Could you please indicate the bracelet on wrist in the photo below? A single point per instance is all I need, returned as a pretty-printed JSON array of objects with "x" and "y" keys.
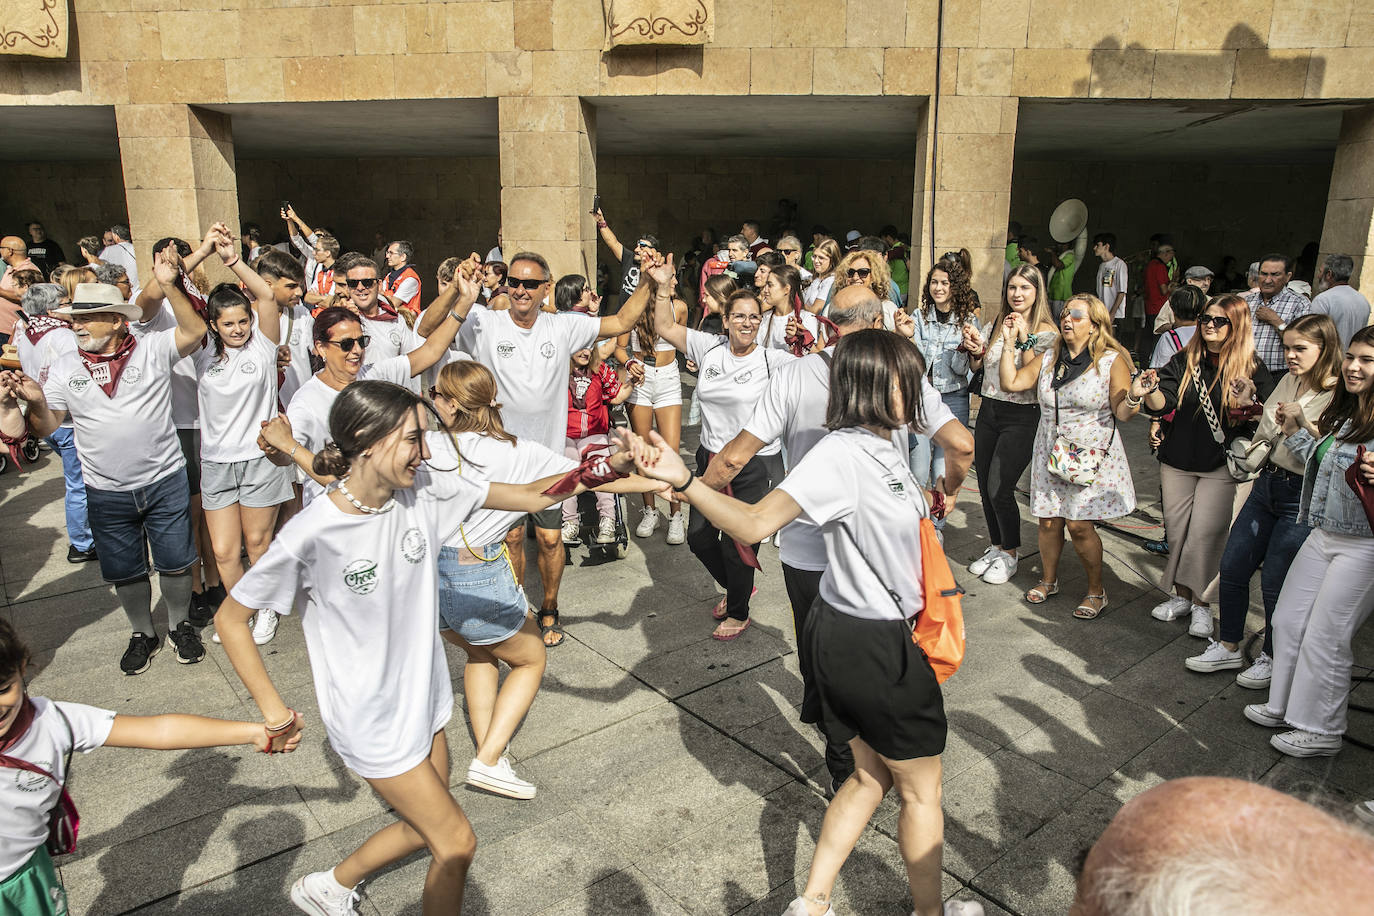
[
  {"x": 275, "y": 729},
  {"x": 690, "y": 477},
  {"x": 232, "y": 263}
]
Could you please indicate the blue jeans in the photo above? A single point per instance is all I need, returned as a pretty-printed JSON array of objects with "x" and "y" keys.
[
  {"x": 481, "y": 602},
  {"x": 78, "y": 526},
  {"x": 1265, "y": 536},
  {"x": 127, "y": 523},
  {"x": 928, "y": 459}
]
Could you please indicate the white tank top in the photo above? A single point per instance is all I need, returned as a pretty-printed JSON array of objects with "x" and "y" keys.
[{"x": 660, "y": 345}]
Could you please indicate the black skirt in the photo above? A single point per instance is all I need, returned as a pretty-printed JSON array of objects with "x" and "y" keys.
[{"x": 868, "y": 679}]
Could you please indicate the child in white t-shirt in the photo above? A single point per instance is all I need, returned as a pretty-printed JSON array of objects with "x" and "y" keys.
[{"x": 37, "y": 737}]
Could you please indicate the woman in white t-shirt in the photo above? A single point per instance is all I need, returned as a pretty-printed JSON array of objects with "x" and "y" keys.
[
  {"x": 733, "y": 373},
  {"x": 877, "y": 690},
  {"x": 781, "y": 299},
  {"x": 359, "y": 565},
  {"x": 824, "y": 259},
  {"x": 37, "y": 738},
  {"x": 240, "y": 489}
]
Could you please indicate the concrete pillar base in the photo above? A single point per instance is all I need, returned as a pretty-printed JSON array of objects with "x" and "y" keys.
[{"x": 1349, "y": 224}]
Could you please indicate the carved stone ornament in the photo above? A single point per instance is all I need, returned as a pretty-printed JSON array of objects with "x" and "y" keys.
[
  {"x": 33, "y": 28},
  {"x": 658, "y": 22}
]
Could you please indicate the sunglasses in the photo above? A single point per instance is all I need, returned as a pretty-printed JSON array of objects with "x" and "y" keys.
[
  {"x": 433, "y": 392},
  {"x": 530, "y": 284},
  {"x": 346, "y": 343},
  {"x": 1077, "y": 314},
  {"x": 361, "y": 284},
  {"x": 789, "y": 250},
  {"x": 860, "y": 272},
  {"x": 1216, "y": 321}
]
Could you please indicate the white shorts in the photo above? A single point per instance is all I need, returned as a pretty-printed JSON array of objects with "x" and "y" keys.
[
  {"x": 255, "y": 484},
  {"x": 662, "y": 386}
]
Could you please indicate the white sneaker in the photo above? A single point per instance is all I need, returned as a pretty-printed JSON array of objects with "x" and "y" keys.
[
  {"x": 605, "y": 531},
  {"x": 1299, "y": 743},
  {"x": 1261, "y": 714},
  {"x": 1000, "y": 570},
  {"x": 1172, "y": 609},
  {"x": 499, "y": 779},
  {"x": 571, "y": 532},
  {"x": 677, "y": 527},
  {"x": 980, "y": 565},
  {"x": 264, "y": 627},
  {"x": 320, "y": 895},
  {"x": 1257, "y": 676},
  {"x": 1201, "y": 624},
  {"x": 798, "y": 908},
  {"x": 1365, "y": 812},
  {"x": 1215, "y": 657},
  {"x": 648, "y": 523},
  {"x": 961, "y": 908}
]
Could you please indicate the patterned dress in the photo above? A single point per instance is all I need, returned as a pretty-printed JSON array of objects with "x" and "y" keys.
[{"x": 1085, "y": 417}]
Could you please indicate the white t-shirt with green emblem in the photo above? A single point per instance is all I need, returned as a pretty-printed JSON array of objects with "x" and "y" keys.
[
  {"x": 238, "y": 391},
  {"x": 367, "y": 591}
]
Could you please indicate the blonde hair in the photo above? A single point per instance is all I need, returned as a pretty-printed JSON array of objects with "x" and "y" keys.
[
  {"x": 1236, "y": 360},
  {"x": 1100, "y": 339},
  {"x": 880, "y": 277},
  {"x": 473, "y": 388},
  {"x": 75, "y": 275},
  {"x": 1040, "y": 315},
  {"x": 831, "y": 249}
]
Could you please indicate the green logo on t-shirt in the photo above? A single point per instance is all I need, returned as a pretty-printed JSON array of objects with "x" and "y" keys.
[{"x": 361, "y": 576}]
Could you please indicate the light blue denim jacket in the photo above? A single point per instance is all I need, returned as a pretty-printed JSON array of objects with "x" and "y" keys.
[
  {"x": 1327, "y": 500},
  {"x": 946, "y": 365}
]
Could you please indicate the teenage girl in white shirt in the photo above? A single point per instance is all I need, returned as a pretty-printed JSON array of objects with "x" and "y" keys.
[{"x": 359, "y": 565}]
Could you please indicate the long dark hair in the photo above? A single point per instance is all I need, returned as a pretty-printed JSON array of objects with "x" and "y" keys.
[
  {"x": 866, "y": 364},
  {"x": 1345, "y": 406},
  {"x": 224, "y": 296},
  {"x": 14, "y": 655},
  {"x": 963, "y": 302},
  {"x": 364, "y": 414}
]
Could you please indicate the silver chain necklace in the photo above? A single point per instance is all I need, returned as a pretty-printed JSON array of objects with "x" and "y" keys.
[{"x": 366, "y": 510}]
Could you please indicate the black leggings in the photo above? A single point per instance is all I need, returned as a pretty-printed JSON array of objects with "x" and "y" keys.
[
  {"x": 1002, "y": 444},
  {"x": 716, "y": 551}
]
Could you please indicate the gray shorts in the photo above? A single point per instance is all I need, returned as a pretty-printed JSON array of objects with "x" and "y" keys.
[{"x": 256, "y": 483}]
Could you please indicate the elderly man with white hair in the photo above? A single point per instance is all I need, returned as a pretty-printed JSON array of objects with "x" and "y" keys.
[{"x": 117, "y": 390}]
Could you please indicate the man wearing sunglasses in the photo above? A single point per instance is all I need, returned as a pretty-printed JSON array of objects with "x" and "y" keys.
[
  {"x": 528, "y": 350},
  {"x": 389, "y": 335},
  {"x": 631, "y": 259}
]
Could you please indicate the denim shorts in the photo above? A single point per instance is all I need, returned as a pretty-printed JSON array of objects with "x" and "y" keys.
[
  {"x": 127, "y": 523},
  {"x": 481, "y": 602}
]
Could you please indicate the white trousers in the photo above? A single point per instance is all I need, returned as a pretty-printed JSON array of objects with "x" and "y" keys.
[{"x": 1327, "y": 595}]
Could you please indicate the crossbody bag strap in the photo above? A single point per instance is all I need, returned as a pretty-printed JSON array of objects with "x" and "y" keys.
[
  {"x": 17, "y": 763},
  {"x": 891, "y": 593},
  {"x": 1208, "y": 410}
]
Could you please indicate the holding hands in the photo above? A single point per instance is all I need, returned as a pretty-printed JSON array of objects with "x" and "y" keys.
[
  {"x": 654, "y": 459},
  {"x": 973, "y": 341},
  {"x": 282, "y": 738},
  {"x": 1292, "y": 418},
  {"x": 18, "y": 385},
  {"x": 1244, "y": 390},
  {"x": 1144, "y": 383}
]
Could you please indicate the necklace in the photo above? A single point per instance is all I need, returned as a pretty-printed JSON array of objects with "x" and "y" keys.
[{"x": 366, "y": 510}]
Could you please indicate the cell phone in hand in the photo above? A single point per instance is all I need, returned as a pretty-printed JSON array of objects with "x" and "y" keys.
[
  {"x": 286, "y": 206},
  {"x": 596, "y": 203}
]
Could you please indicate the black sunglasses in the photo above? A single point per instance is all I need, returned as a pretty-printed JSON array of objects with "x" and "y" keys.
[
  {"x": 346, "y": 343},
  {"x": 1216, "y": 321},
  {"x": 860, "y": 272},
  {"x": 361, "y": 284},
  {"x": 514, "y": 282}
]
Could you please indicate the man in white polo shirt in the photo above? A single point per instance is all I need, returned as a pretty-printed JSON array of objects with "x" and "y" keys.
[{"x": 117, "y": 389}]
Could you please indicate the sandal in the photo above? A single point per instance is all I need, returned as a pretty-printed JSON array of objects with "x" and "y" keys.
[
  {"x": 1041, "y": 592},
  {"x": 1086, "y": 611},
  {"x": 554, "y": 627},
  {"x": 726, "y": 637},
  {"x": 718, "y": 612}
]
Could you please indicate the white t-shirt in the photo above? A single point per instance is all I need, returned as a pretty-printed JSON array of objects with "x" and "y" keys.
[
  {"x": 773, "y": 332},
  {"x": 531, "y": 366},
  {"x": 863, "y": 483},
  {"x": 389, "y": 338},
  {"x": 367, "y": 590},
  {"x": 297, "y": 331},
  {"x": 309, "y": 410},
  {"x": 793, "y": 408},
  {"x": 494, "y": 460},
  {"x": 818, "y": 289},
  {"x": 729, "y": 386},
  {"x": 1165, "y": 349},
  {"x": 126, "y": 442},
  {"x": 26, "y": 798},
  {"x": 37, "y": 359},
  {"x": 185, "y": 406},
  {"x": 122, "y": 253},
  {"x": 237, "y": 393},
  {"x": 1111, "y": 280}
]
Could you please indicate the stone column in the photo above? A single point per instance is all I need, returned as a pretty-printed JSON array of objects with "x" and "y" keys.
[
  {"x": 1349, "y": 225},
  {"x": 179, "y": 176},
  {"x": 548, "y": 178},
  {"x": 965, "y": 188}
]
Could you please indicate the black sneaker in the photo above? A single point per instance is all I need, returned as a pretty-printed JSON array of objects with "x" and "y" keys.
[
  {"x": 186, "y": 641},
  {"x": 201, "y": 612},
  {"x": 215, "y": 595},
  {"x": 140, "y": 654},
  {"x": 80, "y": 556}
]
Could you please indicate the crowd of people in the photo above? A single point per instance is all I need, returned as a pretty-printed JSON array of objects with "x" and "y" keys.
[{"x": 376, "y": 449}]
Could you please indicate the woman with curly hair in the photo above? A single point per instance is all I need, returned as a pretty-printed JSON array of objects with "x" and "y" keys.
[{"x": 867, "y": 269}]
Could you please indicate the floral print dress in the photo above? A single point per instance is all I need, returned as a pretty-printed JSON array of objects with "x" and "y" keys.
[{"x": 1085, "y": 417}]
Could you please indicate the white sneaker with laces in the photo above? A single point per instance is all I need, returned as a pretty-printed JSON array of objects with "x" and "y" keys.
[
  {"x": 980, "y": 565},
  {"x": 320, "y": 895},
  {"x": 1000, "y": 570},
  {"x": 499, "y": 779},
  {"x": 605, "y": 531},
  {"x": 264, "y": 627},
  {"x": 1201, "y": 624},
  {"x": 961, "y": 908},
  {"x": 1261, "y": 714},
  {"x": 1258, "y": 675},
  {"x": 798, "y": 908},
  {"x": 1299, "y": 743},
  {"x": 1215, "y": 657},
  {"x": 571, "y": 531},
  {"x": 648, "y": 523},
  {"x": 1172, "y": 609},
  {"x": 677, "y": 527}
]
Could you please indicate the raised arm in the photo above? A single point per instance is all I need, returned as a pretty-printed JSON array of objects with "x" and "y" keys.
[
  {"x": 41, "y": 419},
  {"x": 530, "y": 497},
  {"x": 454, "y": 302},
  {"x": 622, "y": 321},
  {"x": 435, "y": 313},
  {"x": 307, "y": 234},
  {"x": 608, "y": 236},
  {"x": 264, "y": 301},
  {"x": 190, "y": 326}
]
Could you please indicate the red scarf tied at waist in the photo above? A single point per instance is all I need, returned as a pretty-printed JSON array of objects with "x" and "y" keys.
[{"x": 106, "y": 369}]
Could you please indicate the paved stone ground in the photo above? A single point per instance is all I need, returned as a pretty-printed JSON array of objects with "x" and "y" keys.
[{"x": 673, "y": 773}]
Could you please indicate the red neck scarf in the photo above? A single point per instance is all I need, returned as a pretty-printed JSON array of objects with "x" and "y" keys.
[
  {"x": 106, "y": 370},
  {"x": 20, "y": 728},
  {"x": 384, "y": 312},
  {"x": 38, "y": 325}
]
